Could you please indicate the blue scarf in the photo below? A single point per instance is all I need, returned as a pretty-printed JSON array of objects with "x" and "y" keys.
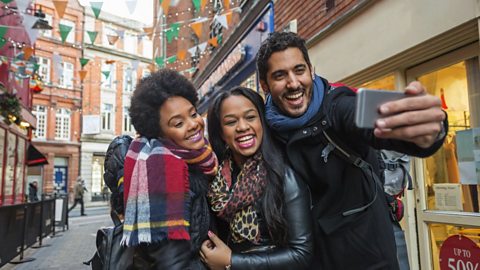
[{"x": 281, "y": 123}]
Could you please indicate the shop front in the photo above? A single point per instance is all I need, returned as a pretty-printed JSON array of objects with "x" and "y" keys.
[{"x": 393, "y": 43}]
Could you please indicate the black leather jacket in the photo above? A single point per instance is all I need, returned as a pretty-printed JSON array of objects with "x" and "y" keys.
[{"x": 299, "y": 251}]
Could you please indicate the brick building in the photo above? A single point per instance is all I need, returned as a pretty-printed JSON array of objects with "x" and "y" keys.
[
  {"x": 58, "y": 106},
  {"x": 119, "y": 56}
]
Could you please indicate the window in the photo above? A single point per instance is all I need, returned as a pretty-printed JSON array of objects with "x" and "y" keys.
[
  {"x": 108, "y": 75},
  {"x": 62, "y": 124},
  {"x": 71, "y": 35},
  {"x": 108, "y": 30},
  {"x": 127, "y": 123},
  {"x": 107, "y": 115},
  {"x": 145, "y": 73},
  {"x": 147, "y": 48},
  {"x": 44, "y": 69},
  {"x": 129, "y": 79},
  {"x": 66, "y": 80},
  {"x": 47, "y": 33},
  {"x": 41, "y": 113},
  {"x": 130, "y": 43}
]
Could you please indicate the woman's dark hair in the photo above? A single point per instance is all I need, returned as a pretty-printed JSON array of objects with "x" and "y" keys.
[
  {"x": 151, "y": 93},
  {"x": 273, "y": 204},
  {"x": 278, "y": 41}
]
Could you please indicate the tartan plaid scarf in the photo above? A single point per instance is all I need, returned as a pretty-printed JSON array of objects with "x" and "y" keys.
[
  {"x": 236, "y": 203},
  {"x": 156, "y": 194}
]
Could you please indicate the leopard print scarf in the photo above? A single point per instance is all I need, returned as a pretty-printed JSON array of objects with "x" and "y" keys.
[{"x": 236, "y": 204}]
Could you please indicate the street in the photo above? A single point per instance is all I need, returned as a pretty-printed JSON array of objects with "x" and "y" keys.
[{"x": 68, "y": 249}]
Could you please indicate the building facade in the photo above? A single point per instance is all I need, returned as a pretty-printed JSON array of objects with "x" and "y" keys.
[
  {"x": 118, "y": 57},
  {"x": 58, "y": 106},
  {"x": 385, "y": 45}
]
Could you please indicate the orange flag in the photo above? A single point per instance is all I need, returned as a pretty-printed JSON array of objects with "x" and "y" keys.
[
  {"x": 213, "y": 41},
  {"x": 165, "y": 6},
  {"x": 109, "y": 62},
  {"x": 82, "y": 74},
  {"x": 229, "y": 17},
  {"x": 27, "y": 52},
  {"x": 203, "y": 3},
  {"x": 226, "y": 4},
  {"x": 60, "y": 6},
  {"x": 197, "y": 28},
  {"x": 148, "y": 31},
  {"x": 181, "y": 55}
]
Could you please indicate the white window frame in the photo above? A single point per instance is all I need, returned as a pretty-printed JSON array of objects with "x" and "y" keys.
[
  {"x": 44, "y": 69},
  {"x": 40, "y": 113},
  {"x": 129, "y": 84},
  {"x": 127, "y": 122},
  {"x": 146, "y": 72},
  {"x": 130, "y": 43},
  {"x": 107, "y": 117},
  {"x": 71, "y": 36},
  {"x": 62, "y": 124},
  {"x": 109, "y": 82},
  {"x": 66, "y": 80}
]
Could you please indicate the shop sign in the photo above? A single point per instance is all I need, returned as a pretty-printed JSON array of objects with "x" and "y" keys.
[
  {"x": 459, "y": 253},
  {"x": 234, "y": 59}
]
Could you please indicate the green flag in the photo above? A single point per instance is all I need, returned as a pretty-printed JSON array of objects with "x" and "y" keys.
[
  {"x": 92, "y": 35},
  {"x": 175, "y": 28},
  {"x": 3, "y": 31},
  {"x": 6, "y": 1},
  {"x": 172, "y": 59},
  {"x": 196, "y": 4},
  {"x": 96, "y": 8},
  {"x": 64, "y": 31},
  {"x": 170, "y": 34},
  {"x": 106, "y": 74},
  {"x": 83, "y": 61},
  {"x": 160, "y": 61}
]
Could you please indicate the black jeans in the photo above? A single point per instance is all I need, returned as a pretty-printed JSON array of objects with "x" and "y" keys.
[{"x": 82, "y": 209}]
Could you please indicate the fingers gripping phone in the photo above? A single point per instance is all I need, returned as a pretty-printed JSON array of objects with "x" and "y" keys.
[{"x": 368, "y": 104}]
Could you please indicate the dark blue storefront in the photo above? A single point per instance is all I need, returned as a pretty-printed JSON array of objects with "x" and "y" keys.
[{"x": 238, "y": 67}]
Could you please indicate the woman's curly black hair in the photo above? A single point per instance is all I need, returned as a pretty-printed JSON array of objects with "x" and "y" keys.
[{"x": 151, "y": 93}]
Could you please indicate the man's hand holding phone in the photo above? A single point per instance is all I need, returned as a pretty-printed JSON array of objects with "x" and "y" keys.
[{"x": 417, "y": 117}]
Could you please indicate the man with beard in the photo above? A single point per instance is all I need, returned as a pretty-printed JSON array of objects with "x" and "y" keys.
[{"x": 351, "y": 218}]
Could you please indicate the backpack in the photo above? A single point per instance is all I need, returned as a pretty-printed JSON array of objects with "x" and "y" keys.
[
  {"x": 396, "y": 172},
  {"x": 110, "y": 254}
]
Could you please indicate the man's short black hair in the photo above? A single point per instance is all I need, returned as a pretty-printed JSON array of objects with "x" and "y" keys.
[
  {"x": 151, "y": 93},
  {"x": 279, "y": 41}
]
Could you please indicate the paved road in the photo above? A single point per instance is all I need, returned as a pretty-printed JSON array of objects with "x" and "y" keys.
[{"x": 72, "y": 248}]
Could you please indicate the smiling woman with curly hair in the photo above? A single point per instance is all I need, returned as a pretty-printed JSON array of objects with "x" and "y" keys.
[{"x": 166, "y": 174}]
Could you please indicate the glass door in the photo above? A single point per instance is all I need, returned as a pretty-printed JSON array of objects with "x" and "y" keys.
[{"x": 448, "y": 183}]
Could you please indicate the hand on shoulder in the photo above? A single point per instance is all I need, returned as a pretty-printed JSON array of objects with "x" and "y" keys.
[{"x": 417, "y": 118}]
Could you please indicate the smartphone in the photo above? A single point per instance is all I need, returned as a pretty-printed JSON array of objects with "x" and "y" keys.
[{"x": 368, "y": 104}]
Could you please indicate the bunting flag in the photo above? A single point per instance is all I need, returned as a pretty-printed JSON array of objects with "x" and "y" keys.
[
  {"x": 6, "y": 1},
  {"x": 181, "y": 54},
  {"x": 84, "y": 61},
  {"x": 160, "y": 61},
  {"x": 109, "y": 62},
  {"x": 3, "y": 31},
  {"x": 3, "y": 60},
  {"x": 202, "y": 46},
  {"x": 135, "y": 64},
  {"x": 196, "y": 4},
  {"x": 170, "y": 33},
  {"x": 172, "y": 59},
  {"x": 60, "y": 7},
  {"x": 112, "y": 39},
  {"x": 28, "y": 22},
  {"x": 197, "y": 28},
  {"x": 92, "y": 35},
  {"x": 96, "y": 8},
  {"x": 120, "y": 33},
  {"x": 226, "y": 4},
  {"x": 140, "y": 36},
  {"x": 213, "y": 41},
  {"x": 165, "y": 6},
  {"x": 220, "y": 39},
  {"x": 22, "y": 5},
  {"x": 64, "y": 31},
  {"x": 131, "y": 5},
  {"x": 222, "y": 19},
  {"x": 203, "y": 3},
  {"x": 228, "y": 16},
  {"x": 82, "y": 74},
  {"x": 106, "y": 73},
  {"x": 174, "y": 3},
  {"x": 148, "y": 31},
  {"x": 27, "y": 52},
  {"x": 176, "y": 28},
  {"x": 193, "y": 51}
]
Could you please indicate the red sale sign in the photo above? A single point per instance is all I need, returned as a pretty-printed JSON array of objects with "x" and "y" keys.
[{"x": 459, "y": 253}]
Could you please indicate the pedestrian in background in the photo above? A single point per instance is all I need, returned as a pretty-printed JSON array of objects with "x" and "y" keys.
[
  {"x": 78, "y": 192},
  {"x": 105, "y": 193},
  {"x": 263, "y": 209},
  {"x": 351, "y": 218},
  {"x": 33, "y": 191}
]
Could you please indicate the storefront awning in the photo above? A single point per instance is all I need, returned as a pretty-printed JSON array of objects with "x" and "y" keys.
[{"x": 34, "y": 157}]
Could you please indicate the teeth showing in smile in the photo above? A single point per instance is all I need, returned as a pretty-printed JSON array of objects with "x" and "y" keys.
[
  {"x": 195, "y": 137},
  {"x": 245, "y": 138},
  {"x": 294, "y": 96}
]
